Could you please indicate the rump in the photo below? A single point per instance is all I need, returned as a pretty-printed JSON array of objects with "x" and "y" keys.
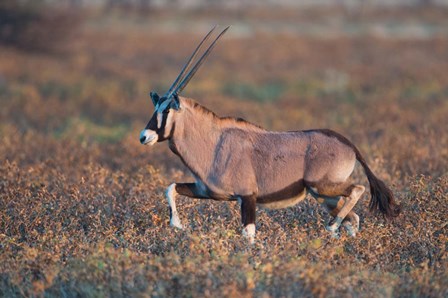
[{"x": 328, "y": 158}]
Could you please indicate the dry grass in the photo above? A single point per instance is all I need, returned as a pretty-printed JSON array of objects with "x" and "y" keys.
[{"x": 82, "y": 211}]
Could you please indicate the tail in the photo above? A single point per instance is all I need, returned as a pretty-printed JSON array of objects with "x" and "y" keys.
[{"x": 382, "y": 198}]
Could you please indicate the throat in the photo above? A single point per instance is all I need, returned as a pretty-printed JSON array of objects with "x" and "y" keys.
[{"x": 195, "y": 148}]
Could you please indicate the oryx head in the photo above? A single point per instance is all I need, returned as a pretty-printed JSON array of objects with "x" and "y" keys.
[{"x": 161, "y": 125}]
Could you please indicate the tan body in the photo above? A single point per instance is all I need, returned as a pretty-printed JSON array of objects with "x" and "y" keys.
[{"x": 235, "y": 160}]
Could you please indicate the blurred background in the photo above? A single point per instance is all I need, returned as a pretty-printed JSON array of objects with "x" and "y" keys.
[{"x": 374, "y": 70}]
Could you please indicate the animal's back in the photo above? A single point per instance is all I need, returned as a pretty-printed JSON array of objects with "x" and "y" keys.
[
  {"x": 279, "y": 160},
  {"x": 261, "y": 162},
  {"x": 285, "y": 161},
  {"x": 277, "y": 165}
]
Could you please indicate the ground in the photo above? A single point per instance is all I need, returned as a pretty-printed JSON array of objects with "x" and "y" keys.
[{"x": 82, "y": 207}]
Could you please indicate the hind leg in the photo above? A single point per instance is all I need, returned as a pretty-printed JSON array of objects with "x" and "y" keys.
[
  {"x": 331, "y": 205},
  {"x": 339, "y": 199},
  {"x": 334, "y": 206},
  {"x": 351, "y": 223},
  {"x": 348, "y": 203}
]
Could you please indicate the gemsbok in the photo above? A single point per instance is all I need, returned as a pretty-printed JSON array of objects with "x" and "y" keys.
[{"x": 232, "y": 159}]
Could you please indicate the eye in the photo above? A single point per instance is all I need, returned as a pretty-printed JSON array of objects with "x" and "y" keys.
[{"x": 166, "y": 111}]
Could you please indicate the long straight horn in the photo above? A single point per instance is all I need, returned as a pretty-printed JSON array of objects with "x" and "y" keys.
[
  {"x": 188, "y": 64},
  {"x": 188, "y": 77}
]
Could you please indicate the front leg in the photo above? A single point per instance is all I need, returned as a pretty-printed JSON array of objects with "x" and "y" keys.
[
  {"x": 248, "y": 208},
  {"x": 171, "y": 195},
  {"x": 186, "y": 189}
]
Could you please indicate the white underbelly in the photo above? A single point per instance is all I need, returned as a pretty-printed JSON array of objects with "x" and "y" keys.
[{"x": 284, "y": 203}]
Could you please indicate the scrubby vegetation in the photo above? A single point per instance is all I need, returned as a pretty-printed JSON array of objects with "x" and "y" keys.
[{"x": 82, "y": 211}]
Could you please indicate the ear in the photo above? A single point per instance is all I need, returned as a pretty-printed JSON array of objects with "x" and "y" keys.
[
  {"x": 155, "y": 97},
  {"x": 175, "y": 104}
]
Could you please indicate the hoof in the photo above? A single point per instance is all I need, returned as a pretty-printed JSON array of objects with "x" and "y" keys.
[
  {"x": 351, "y": 231},
  {"x": 335, "y": 235},
  {"x": 177, "y": 226},
  {"x": 332, "y": 228},
  {"x": 249, "y": 233},
  {"x": 175, "y": 222},
  {"x": 334, "y": 225}
]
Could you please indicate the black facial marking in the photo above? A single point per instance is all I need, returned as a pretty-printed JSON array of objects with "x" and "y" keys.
[
  {"x": 161, "y": 130},
  {"x": 152, "y": 124}
]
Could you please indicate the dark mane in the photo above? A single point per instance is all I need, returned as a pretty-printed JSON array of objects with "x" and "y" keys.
[{"x": 239, "y": 121}]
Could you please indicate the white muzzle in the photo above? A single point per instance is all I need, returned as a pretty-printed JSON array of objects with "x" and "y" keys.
[{"x": 148, "y": 137}]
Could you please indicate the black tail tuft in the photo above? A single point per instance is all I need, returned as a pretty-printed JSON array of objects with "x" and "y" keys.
[{"x": 382, "y": 198}]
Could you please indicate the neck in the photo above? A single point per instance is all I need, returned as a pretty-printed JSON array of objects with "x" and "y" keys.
[
  {"x": 197, "y": 133},
  {"x": 195, "y": 137}
]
